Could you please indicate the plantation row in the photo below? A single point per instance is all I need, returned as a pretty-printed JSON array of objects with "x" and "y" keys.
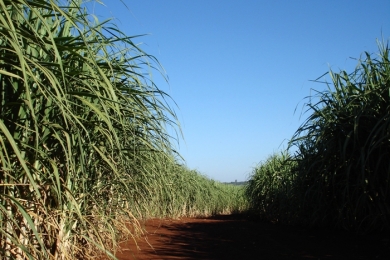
[
  {"x": 85, "y": 151},
  {"x": 338, "y": 174},
  {"x": 84, "y": 148}
]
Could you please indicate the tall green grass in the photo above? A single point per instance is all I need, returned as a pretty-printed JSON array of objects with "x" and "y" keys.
[
  {"x": 84, "y": 150},
  {"x": 270, "y": 189},
  {"x": 340, "y": 175},
  {"x": 344, "y": 146},
  {"x": 77, "y": 117},
  {"x": 173, "y": 190}
]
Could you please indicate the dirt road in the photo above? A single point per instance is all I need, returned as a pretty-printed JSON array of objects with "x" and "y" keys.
[{"x": 238, "y": 237}]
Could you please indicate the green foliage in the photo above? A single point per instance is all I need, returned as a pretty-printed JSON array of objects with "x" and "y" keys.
[
  {"x": 76, "y": 118},
  {"x": 175, "y": 191},
  {"x": 83, "y": 143},
  {"x": 339, "y": 175},
  {"x": 270, "y": 190},
  {"x": 343, "y": 149}
]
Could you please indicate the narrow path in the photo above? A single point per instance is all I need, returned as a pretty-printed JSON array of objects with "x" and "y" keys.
[{"x": 236, "y": 237}]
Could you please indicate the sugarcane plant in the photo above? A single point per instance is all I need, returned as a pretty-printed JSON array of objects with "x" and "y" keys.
[
  {"x": 79, "y": 119},
  {"x": 270, "y": 189},
  {"x": 336, "y": 172},
  {"x": 343, "y": 149}
]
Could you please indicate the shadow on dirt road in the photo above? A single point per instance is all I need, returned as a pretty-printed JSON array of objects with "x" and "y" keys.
[{"x": 238, "y": 237}]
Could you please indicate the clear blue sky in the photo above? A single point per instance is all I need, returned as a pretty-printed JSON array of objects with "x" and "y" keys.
[{"x": 239, "y": 69}]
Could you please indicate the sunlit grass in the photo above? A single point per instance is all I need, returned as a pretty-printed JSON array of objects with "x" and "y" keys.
[
  {"x": 76, "y": 117},
  {"x": 84, "y": 148},
  {"x": 173, "y": 190}
]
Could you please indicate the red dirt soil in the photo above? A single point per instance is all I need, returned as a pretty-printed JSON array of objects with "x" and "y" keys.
[{"x": 239, "y": 237}]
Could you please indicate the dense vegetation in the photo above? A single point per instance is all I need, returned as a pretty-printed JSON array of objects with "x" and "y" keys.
[
  {"x": 83, "y": 142},
  {"x": 339, "y": 174},
  {"x": 270, "y": 188},
  {"x": 85, "y": 151}
]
